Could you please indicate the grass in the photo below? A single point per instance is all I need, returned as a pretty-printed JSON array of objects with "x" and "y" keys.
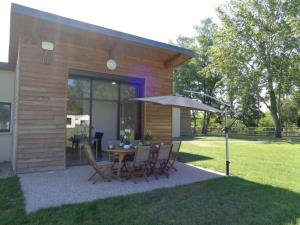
[
  {"x": 266, "y": 161},
  {"x": 264, "y": 189}
]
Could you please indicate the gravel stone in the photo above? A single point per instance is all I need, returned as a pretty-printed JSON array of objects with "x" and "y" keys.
[{"x": 54, "y": 188}]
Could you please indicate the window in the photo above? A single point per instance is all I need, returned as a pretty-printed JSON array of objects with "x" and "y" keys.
[
  {"x": 105, "y": 90},
  {"x": 78, "y": 88},
  {"x": 130, "y": 110},
  {"x": 100, "y": 105},
  {"x": 128, "y": 91},
  {"x": 5, "y": 115},
  {"x": 69, "y": 121}
]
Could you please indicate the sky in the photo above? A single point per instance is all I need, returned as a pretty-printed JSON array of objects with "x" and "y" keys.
[{"x": 160, "y": 20}]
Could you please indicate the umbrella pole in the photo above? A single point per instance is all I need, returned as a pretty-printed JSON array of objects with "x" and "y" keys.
[
  {"x": 226, "y": 142},
  {"x": 226, "y": 129}
]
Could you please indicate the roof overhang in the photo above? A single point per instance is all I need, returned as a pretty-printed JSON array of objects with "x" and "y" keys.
[{"x": 25, "y": 20}]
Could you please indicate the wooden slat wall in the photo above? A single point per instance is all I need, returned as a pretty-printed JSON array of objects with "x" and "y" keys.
[{"x": 43, "y": 96}]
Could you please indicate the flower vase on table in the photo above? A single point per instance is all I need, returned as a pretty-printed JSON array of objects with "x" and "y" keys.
[
  {"x": 126, "y": 146},
  {"x": 126, "y": 139}
]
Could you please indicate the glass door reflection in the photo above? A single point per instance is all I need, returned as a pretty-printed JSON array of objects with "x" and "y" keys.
[{"x": 78, "y": 120}]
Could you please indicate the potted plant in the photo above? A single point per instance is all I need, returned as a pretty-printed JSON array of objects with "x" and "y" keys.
[
  {"x": 126, "y": 138},
  {"x": 147, "y": 139}
]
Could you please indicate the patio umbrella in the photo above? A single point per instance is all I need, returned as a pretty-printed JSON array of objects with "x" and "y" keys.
[{"x": 179, "y": 101}]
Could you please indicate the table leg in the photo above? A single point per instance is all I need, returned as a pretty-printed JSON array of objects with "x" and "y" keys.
[
  {"x": 80, "y": 153},
  {"x": 96, "y": 150},
  {"x": 120, "y": 164}
]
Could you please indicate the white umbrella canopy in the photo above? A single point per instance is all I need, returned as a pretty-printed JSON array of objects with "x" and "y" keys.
[{"x": 179, "y": 101}]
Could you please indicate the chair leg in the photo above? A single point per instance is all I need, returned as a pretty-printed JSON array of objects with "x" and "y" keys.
[
  {"x": 133, "y": 175},
  {"x": 145, "y": 171},
  {"x": 134, "y": 179},
  {"x": 166, "y": 173},
  {"x": 150, "y": 169},
  {"x": 156, "y": 173},
  {"x": 170, "y": 165},
  {"x": 100, "y": 175},
  {"x": 164, "y": 168},
  {"x": 91, "y": 177},
  {"x": 129, "y": 172},
  {"x": 97, "y": 178},
  {"x": 145, "y": 175},
  {"x": 108, "y": 169}
]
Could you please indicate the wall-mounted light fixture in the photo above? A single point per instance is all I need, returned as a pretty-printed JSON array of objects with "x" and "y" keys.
[
  {"x": 48, "y": 48},
  {"x": 111, "y": 64}
]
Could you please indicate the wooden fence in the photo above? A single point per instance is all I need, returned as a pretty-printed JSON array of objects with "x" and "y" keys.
[{"x": 251, "y": 131}]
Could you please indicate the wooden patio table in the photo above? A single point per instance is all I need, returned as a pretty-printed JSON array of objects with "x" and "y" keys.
[{"x": 120, "y": 153}]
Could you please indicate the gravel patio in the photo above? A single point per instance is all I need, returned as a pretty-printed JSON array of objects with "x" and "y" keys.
[{"x": 71, "y": 185}]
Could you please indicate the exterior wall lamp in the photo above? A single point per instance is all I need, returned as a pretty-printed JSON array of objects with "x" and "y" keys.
[
  {"x": 48, "y": 48},
  {"x": 111, "y": 64}
]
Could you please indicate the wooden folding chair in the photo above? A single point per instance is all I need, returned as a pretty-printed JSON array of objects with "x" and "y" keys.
[
  {"x": 173, "y": 155},
  {"x": 140, "y": 164},
  {"x": 102, "y": 171},
  {"x": 161, "y": 162}
]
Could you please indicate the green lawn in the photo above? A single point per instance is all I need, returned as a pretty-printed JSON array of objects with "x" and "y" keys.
[
  {"x": 265, "y": 161},
  {"x": 264, "y": 189}
]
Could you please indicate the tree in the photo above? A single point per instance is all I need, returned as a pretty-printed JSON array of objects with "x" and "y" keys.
[
  {"x": 195, "y": 75},
  {"x": 258, "y": 42}
]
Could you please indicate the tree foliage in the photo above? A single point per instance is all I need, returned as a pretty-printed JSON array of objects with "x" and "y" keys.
[
  {"x": 252, "y": 58},
  {"x": 195, "y": 74},
  {"x": 257, "y": 50}
]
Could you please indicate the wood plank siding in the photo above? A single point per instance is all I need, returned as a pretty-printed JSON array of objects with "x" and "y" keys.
[{"x": 42, "y": 95}]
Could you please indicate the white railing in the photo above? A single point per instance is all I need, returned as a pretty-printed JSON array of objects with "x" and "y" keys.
[{"x": 251, "y": 131}]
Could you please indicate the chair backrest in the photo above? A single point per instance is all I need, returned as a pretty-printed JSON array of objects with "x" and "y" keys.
[
  {"x": 142, "y": 154},
  {"x": 90, "y": 156},
  {"x": 176, "y": 146},
  {"x": 164, "y": 152},
  {"x": 99, "y": 135},
  {"x": 114, "y": 143},
  {"x": 76, "y": 138}
]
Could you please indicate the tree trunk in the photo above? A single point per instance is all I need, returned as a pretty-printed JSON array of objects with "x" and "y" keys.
[
  {"x": 195, "y": 121},
  {"x": 206, "y": 121},
  {"x": 273, "y": 101},
  {"x": 274, "y": 113}
]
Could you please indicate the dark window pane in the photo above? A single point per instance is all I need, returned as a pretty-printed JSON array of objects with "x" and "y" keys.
[
  {"x": 5, "y": 117},
  {"x": 105, "y": 90},
  {"x": 78, "y": 88},
  {"x": 69, "y": 121},
  {"x": 128, "y": 91}
]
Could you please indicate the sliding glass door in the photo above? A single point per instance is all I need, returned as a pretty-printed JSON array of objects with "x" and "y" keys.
[
  {"x": 99, "y": 106},
  {"x": 105, "y": 110}
]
